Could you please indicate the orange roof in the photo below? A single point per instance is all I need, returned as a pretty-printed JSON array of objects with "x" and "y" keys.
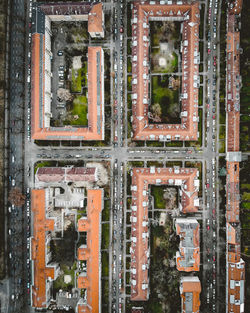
[
  {"x": 233, "y": 242},
  {"x": 235, "y": 7},
  {"x": 40, "y": 226},
  {"x": 141, "y": 15},
  {"x": 95, "y": 129},
  {"x": 235, "y": 265},
  {"x": 141, "y": 179},
  {"x": 192, "y": 286},
  {"x": 91, "y": 252},
  {"x": 95, "y": 19},
  {"x": 233, "y": 85}
]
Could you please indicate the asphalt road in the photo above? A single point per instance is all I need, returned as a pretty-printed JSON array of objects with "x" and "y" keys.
[{"x": 17, "y": 219}]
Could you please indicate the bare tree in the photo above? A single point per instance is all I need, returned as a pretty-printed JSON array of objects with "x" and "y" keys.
[
  {"x": 16, "y": 197},
  {"x": 64, "y": 94}
]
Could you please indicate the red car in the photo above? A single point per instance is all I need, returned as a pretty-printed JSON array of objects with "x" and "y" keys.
[
  {"x": 208, "y": 185},
  {"x": 208, "y": 227},
  {"x": 214, "y": 117},
  {"x": 209, "y": 51}
]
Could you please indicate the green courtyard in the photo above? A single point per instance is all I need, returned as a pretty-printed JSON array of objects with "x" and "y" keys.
[{"x": 165, "y": 106}]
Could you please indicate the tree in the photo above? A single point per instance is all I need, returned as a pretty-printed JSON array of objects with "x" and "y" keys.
[
  {"x": 16, "y": 197},
  {"x": 64, "y": 94}
]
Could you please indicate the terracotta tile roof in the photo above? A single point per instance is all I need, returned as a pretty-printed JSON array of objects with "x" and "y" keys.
[
  {"x": 91, "y": 252},
  {"x": 66, "y": 8},
  {"x": 235, "y": 267},
  {"x": 42, "y": 272},
  {"x": 233, "y": 85},
  {"x": 141, "y": 14},
  {"x": 95, "y": 129},
  {"x": 64, "y": 174},
  {"x": 95, "y": 19},
  {"x": 188, "y": 258},
  {"x": 235, "y": 7},
  {"x": 190, "y": 290},
  {"x": 233, "y": 242},
  {"x": 141, "y": 179}
]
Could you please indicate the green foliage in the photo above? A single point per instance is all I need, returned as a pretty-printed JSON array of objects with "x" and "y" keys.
[
  {"x": 79, "y": 79},
  {"x": 42, "y": 164},
  {"x": 105, "y": 211},
  {"x": 246, "y": 196},
  {"x": 105, "y": 264},
  {"x": 168, "y": 100},
  {"x": 60, "y": 248},
  {"x": 245, "y": 186},
  {"x": 157, "y": 192},
  {"x": 105, "y": 236}
]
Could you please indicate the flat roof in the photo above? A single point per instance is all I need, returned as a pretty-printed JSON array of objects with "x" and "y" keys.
[
  {"x": 141, "y": 179},
  {"x": 41, "y": 271},
  {"x": 91, "y": 252},
  {"x": 233, "y": 192},
  {"x": 188, "y": 256},
  {"x": 141, "y": 15}
]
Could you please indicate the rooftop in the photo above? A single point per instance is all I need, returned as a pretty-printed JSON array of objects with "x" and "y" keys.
[
  {"x": 66, "y": 174},
  {"x": 41, "y": 88},
  {"x": 142, "y": 14},
  {"x": 91, "y": 253},
  {"x": 42, "y": 273},
  {"x": 188, "y": 258},
  {"x": 190, "y": 290},
  {"x": 187, "y": 180}
]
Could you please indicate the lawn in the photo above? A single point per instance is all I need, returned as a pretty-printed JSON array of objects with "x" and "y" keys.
[
  {"x": 157, "y": 192},
  {"x": 80, "y": 108},
  {"x": 43, "y": 164},
  {"x": 168, "y": 99},
  {"x": 59, "y": 282},
  {"x": 79, "y": 79}
]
